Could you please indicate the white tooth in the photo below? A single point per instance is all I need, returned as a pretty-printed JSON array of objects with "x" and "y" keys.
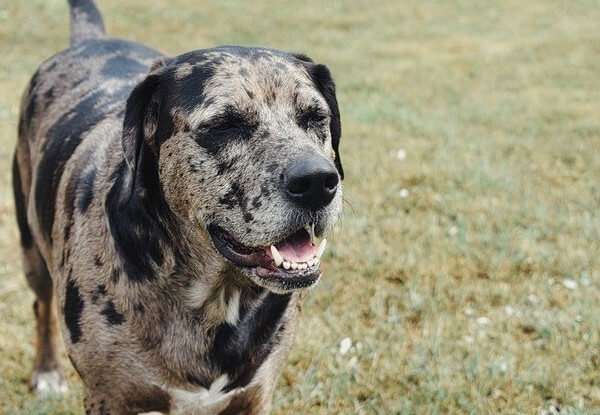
[
  {"x": 276, "y": 256},
  {"x": 286, "y": 265},
  {"x": 294, "y": 265},
  {"x": 302, "y": 266},
  {"x": 321, "y": 248},
  {"x": 311, "y": 262}
]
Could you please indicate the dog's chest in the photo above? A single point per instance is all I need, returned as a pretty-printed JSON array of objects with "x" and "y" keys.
[{"x": 212, "y": 400}]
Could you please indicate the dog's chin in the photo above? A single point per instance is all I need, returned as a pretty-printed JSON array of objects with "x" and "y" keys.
[{"x": 290, "y": 264}]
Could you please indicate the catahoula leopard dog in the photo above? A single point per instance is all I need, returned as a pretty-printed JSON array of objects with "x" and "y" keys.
[{"x": 170, "y": 210}]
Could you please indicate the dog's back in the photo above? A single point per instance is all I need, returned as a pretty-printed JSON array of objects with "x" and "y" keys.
[{"x": 64, "y": 127}]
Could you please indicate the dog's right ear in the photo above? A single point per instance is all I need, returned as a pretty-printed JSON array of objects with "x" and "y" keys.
[{"x": 140, "y": 123}]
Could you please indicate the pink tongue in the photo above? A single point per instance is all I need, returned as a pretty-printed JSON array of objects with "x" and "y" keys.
[{"x": 296, "y": 248}]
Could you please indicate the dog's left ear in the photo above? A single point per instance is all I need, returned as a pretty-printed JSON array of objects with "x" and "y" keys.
[
  {"x": 322, "y": 78},
  {"x": 324, "y": 82},
  {"x": 139, "y": 125}
]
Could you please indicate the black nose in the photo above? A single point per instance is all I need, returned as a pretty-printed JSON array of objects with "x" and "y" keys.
[{"x": 311, "y": 182}]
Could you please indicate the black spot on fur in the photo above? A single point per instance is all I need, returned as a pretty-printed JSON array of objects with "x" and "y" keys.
[
  {"x": 31, "y": 107},
  {"x": 122, "y": 67},
  {"x": 98, "y": 262},
  {"x": 95, "y": 48},
  {"x": 235, "y": 197},
  {"x": 256, "y": 203},
  {"x": 137, "y": 227},
  {"x": 240, "y": 350},
  {"x": 86, "y": 190},
  {"x": 101, "y": 289},
  {"x": 21, "y": 210},
  {"x": 264, "y": 190},
  {"x": 114, "y": 276},
  {"x": 49, "y": 94},
  {"x": 63, "y": 138},
  {"x": 189, "y": 92},
  {"x": 72, "y": 311},
  {"x": 112, "y": 315},
  {"x": 226, "y": 166},
  {"x": 139, "y": 308}
]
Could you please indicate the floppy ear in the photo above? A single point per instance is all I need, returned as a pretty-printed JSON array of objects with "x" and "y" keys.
[
  {"x": 322, "y": 78},
  {"x": 139, "y": 126}
]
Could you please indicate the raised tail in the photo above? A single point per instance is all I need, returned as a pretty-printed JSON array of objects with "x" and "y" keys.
[{"x": 86, "y": 21}]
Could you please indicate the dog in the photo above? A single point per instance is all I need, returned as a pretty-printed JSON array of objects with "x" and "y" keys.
[{"x": 169, "y": 210}]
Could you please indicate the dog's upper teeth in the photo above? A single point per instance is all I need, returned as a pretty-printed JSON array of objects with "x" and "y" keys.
[
  {"x": 294, "y": 265},
  {"x": 321, "y": 248},
  {"x": 287, "y": 265},
  {"x": 276, "y": 256}
]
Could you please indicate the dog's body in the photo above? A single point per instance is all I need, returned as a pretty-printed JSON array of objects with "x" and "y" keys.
[{"x": 146, "y": 204}]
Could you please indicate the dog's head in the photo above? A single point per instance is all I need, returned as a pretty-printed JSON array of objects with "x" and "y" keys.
[{"x": 246, "y": 146}]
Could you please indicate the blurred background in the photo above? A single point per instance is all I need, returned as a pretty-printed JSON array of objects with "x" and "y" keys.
[{"x": 465, "y": 274}]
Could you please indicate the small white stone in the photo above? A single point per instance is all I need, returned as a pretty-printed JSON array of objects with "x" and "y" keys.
[
  {"x": 353, "y": 361},
  {"x": 359, "y": 346},
  {"x": 483, "y": 321},
  {"x": 403, "y": 193},
  {"x": 453, "y": 230},
  {"x": 532, "y": 299},
  {"x": 503, "y": 367},
  {"x": 579, "y": 318},
  {"x": 345, "y": 345},
  {"x": 508, "y": 310},
  {"x": 469, "y": 339},
  {"x": 401, "y": 154},
  {"x": 469, "y": 311},
  {"x": 570, "y": 284},
  {"x": 553, "y": 410}
]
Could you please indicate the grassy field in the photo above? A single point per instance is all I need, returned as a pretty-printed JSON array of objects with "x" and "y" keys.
[{"x": 466, "y": 269}]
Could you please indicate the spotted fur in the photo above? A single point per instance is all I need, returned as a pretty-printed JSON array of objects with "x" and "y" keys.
[{"x": 125, "y": 158}]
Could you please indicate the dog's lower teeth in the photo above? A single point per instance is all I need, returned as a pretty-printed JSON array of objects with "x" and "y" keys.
[{"x": 298, "y": 265}]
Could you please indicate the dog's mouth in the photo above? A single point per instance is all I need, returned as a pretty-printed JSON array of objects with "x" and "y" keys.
[{"x": 294, "y": 260}]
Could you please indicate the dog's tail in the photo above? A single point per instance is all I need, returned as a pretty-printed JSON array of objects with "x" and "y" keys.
[{"x": 86, "y": 21}]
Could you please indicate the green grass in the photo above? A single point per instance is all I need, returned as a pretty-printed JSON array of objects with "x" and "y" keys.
[{"x": 497, "y": 105}]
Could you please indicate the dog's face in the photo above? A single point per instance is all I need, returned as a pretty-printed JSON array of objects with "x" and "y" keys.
[{"x": 246, "y": 146}]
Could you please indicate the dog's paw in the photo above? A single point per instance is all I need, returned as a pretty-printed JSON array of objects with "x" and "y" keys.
[{"x": 50, "y": 382}]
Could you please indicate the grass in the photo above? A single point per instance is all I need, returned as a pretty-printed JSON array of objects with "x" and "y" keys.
[{"x": 478, "y": 292}]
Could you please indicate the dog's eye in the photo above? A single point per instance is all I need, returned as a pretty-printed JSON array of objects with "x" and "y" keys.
[
  {"x": 311, "y": 118},
  {"x": 228, "y": 122}
]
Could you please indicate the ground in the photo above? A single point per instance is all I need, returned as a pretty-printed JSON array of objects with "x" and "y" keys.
[{"x": 465, "y": 273}]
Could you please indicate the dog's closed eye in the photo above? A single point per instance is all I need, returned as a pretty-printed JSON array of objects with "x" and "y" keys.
[
  {"x": 312, "y": 117},
  {"x": 229, "y": 122}
]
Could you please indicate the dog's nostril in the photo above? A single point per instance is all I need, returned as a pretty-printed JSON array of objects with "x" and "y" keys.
[
  {"x": 299, "y": 186},
  {"x": 311, "y": 182},
  {"x": 331, "y": 182}
]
